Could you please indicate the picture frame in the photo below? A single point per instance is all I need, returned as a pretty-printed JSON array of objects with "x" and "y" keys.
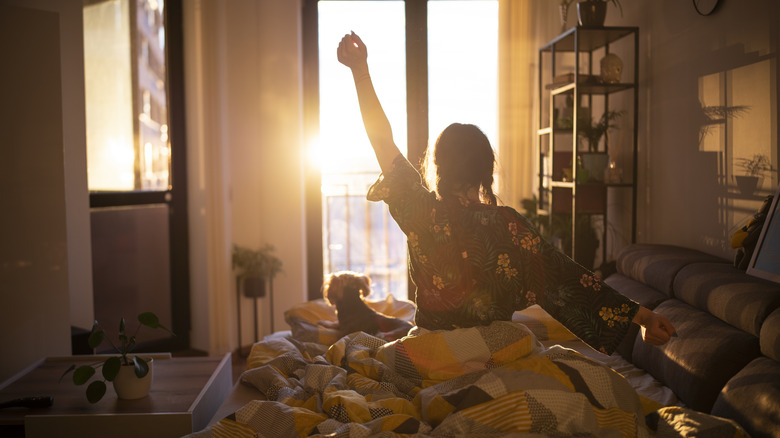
[{"x": 765, "y": 261}]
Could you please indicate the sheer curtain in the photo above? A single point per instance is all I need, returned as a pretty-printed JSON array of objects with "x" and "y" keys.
[{"x": 523, "y": 27}]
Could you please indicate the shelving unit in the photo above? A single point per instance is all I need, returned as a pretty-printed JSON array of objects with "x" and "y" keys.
[{"x": 598, "y": 206}]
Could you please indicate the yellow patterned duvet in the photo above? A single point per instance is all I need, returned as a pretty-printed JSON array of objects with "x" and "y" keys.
[{"x": 488, "y": 381}]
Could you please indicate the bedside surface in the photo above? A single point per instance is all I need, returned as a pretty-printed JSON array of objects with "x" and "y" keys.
[{"x": 185, "y": 394}]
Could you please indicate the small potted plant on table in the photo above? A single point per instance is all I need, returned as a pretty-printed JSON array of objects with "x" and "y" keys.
[{"x": 131, "y": 375}]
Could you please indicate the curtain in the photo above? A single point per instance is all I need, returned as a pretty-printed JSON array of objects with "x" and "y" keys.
[{"x": 524, "y": 26}]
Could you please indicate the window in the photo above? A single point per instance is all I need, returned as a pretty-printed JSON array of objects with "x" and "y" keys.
[
  {"x": 132, "y": 66},
  {"x": 462, "y": 87}
]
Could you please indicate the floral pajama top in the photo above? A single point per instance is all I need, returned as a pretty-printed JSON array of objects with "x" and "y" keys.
[{"x": 474, "y": 263}]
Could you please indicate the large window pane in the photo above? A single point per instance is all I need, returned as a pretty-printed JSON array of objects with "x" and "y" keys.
[
  {"x": 463, "y": 65},
  {"x": 126, "y": 95},
  {"x": 358, "y": 235}
]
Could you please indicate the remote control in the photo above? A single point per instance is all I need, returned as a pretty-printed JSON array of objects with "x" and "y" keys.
[{"x": 29, "y": 402}]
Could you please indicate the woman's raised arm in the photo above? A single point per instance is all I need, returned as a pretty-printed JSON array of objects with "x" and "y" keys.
[{"x": 352, "y": 53}]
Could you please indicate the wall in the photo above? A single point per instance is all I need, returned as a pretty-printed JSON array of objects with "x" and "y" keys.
[
  {"x": 244, "y": 118},
  {"x": 34, "y": 317},
  {"x": 687, "y": 193},
  {"x": 75, "y": 158}
]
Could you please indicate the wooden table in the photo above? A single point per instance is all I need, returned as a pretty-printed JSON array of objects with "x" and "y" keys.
[{"x": 185, "y": 394}]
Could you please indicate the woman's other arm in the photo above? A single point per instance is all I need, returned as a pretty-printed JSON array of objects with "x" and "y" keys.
[
  {"x": 353, "y": 54},
  {"x": 656, "y": 329}
]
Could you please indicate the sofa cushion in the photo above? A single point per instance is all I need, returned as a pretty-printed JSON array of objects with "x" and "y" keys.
[
  {"x": 770, "y": 336},
  {"x": 752, "y": 398},
  {"x": 726, "y": 292},
  {"x": 697, "y": 364},
  {"x": 656, "y": 265},
  {"x": 642, "y": 294}
]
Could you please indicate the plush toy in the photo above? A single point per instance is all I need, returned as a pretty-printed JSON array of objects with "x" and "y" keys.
[{"x": 744, "y": 240}]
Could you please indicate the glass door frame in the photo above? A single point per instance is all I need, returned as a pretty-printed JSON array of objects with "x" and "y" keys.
[{"x": 176, "y": 196}]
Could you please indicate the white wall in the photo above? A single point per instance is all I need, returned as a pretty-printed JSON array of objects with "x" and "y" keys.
[
  {"x": 244, "y": 116},
  {"x": 75, "y": 165},
  {"x": 34, "y": 316},
  {"x": 687, "y": 194}
]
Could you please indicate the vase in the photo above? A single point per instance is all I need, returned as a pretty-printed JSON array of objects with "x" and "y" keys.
[
  {"x": 592, "y": 13},
  {"x": 128, "y": 386}
]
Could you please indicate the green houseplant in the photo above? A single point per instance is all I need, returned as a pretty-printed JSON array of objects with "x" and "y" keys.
[
  {"x": 112, "y": 366},
  {"x": 255, "y": 266},
  {"x": 593, "y": 131}
]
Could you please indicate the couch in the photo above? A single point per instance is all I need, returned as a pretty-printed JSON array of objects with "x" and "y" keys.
[{"x": 726, "y": 360}]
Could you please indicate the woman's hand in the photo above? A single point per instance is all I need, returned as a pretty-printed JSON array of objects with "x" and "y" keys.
[
  {"x": 656, "y": 328},
  {"x": 352, "y": 52}
]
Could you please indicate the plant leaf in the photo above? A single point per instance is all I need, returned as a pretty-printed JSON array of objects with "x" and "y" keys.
[
  {"x": 82, "y": 374},
  {"x": 149, "y": 319},
  {"x": 96, "y": 390},
  {"x": 141, "y": 367},
  {"x": 111, "y": 368},
  {"x": 122, "y": 325},
  {"x": 71, "y": 368},
  {"x": 96, "y": 337}
]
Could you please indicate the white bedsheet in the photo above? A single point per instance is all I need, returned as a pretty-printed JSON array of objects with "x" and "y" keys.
[{"x": 644, "y": 383}]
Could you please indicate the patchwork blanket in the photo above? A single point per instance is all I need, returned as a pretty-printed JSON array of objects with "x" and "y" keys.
[{"x": 496, "y": 380}]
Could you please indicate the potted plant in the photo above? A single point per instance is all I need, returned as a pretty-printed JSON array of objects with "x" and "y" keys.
[
  {"x": 255, "y": 267},
  {"x": 594, "y": 161},
  {"x": 130, "y": 375},
  {"x": 594, "y": 131},
  {"x": 592, "y": 13},
  {"x": 754, "y": 169}
]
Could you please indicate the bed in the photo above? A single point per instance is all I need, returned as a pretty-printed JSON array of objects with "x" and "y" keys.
[{"x": 525, "y": 376}]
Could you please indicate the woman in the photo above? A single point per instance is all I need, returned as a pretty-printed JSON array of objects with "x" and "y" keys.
[{"x": 472, "y": 261}]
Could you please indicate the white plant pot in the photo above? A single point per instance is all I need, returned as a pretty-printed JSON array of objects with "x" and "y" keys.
[{"x": 128, "y": 386}]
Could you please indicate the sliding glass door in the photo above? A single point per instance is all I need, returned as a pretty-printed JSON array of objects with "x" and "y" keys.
[{"x": 135, "y": 160}]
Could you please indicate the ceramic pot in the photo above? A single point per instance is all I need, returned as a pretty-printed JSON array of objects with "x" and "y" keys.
[
  {"x": 128, "y": 386},
  {"x": 592, "y": 13},
  {"x": 254, "y": 287}
]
